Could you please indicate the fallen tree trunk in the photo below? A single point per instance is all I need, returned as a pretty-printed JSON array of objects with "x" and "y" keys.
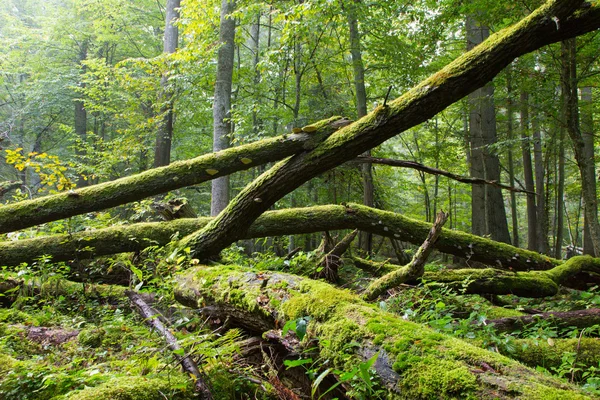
[
  {"x": 136, "y": 237},
  {"x": 152, "y": 318},
  {"x": 161, "y": 180},
  {"x": 560, "y": 319},
  {"x": 413, "y": 361},
  {"x": 500, "y": 282},
  {"x": 462, "y": 76}
]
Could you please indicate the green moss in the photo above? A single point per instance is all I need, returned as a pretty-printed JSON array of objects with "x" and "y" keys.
[
  {"x": 439, "y": 379},
  {"x": 13, "y": 316},
  {"x": 131, "y": 388},
  {"x": 91, "y": 337},
  {"x": 7, "y": 363}
]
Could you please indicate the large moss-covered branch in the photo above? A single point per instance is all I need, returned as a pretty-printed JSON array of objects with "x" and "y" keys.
[
  {"x": 412, "y": 270},
  {"x": 136, "y": 237},
  {"x": 525, "y": 284},
  {"x": 413, "y": 361},
  {"x": 462, "y": 76},
  {"x": 160, "y": 180}
]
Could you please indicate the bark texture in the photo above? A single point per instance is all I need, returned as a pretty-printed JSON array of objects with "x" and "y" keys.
[{"x": 413, "y": 362}]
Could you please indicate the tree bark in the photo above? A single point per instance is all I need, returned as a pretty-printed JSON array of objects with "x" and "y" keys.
[
  {"x": 164, "y": 133},
  {"x": 468, "y": 72},
  {"x": 485, "y": 163},
  {"x": 412, "y": 361},
  {"x": 222, "y": 101},
  {"x": 540, "y": 173},
  {"x": 587, "y": 135},
  {"x": 532, "y": 225},
  {"x": 511, "y": 164},
  {"x": 136, "y": 237}
]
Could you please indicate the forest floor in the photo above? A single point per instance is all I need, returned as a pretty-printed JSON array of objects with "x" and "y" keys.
[{"x": 78, "y": 345}]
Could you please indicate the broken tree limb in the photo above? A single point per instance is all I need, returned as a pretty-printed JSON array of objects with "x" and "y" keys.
[
  {"x": 412, "y": 270},
  {"x": 160, "y": 180},
  {"x": 152, "y": 318},
  {"x": 331, "y": 262},
  {"x": 462, "y": 76},
  {"x": 413, "y": 361},
  {"x": 136, "y": 237},
  {"x": 436, "y": 171},
  {"x": 560, "y": 319}
]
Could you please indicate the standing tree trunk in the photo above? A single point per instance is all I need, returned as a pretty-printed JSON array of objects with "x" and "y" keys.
[
  {"x": 80, "y": 111},
  {"x": 222, "y": 102},
  {"x": 587, "y": 131},
  {"x": 538, "y": 158},
  {"x": 365, "y": 239},
  {"x": 532, "y": 239},
  {"x": 164, "y": 132},
  {"x": 489, "y": 215},
  {"x": 511, "y": 164},
  {"x": 582, "y": 154}
]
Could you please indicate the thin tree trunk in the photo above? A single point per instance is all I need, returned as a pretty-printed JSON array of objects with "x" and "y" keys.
[
  {"x": 511, "y": 164},
  {"x": 164, "y": 133},
  {"x": 587, "y": 132},
  {"x": 532, "y": 239},
  {"x": 541, "y": 216},
  {"x": 222, "y": 101},
  {"x": 365, "y": 239},
  {"x": 80, "y": 111}
]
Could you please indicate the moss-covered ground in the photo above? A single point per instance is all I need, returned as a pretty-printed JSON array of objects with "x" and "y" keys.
[{"x": 76, "y": 346}]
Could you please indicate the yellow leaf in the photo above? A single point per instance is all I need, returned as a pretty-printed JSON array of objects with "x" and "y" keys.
[{"x": 212, "y": 171}]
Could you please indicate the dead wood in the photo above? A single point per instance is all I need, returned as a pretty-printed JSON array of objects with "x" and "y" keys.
[{"x": 153, "y": 318}]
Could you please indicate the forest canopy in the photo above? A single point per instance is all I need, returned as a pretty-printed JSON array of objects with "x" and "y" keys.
[{"x": 306, "y": 199}]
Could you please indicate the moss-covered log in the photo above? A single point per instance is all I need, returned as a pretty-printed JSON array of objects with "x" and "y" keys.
[
  {"x": 525, "y": 284},
  {"x": 160, "y": 180},
  {"x": 462, "y": 76},
  {"x": 560, "y": 319},
  {"x": 413, "y": 361},
  {"x": 11, "y": 287},
  {"x": 136, "y": 237}
]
